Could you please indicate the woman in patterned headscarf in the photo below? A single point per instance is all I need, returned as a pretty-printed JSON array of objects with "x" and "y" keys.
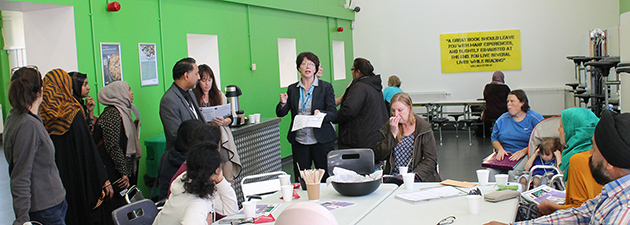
[
  {"x": 80, "y": 167},
  {"x": 116, "y": 137}
]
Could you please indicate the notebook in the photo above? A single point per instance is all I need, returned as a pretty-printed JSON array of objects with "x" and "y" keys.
[
  {"x": 505, "y": 164},
  {"x": 433, "y": 193}
]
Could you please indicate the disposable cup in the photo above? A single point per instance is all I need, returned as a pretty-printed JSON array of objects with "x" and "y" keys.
[
  {"x": 257, "y": 117},
  {"x": 313, "y": 191},
  {"x": 249, "y": 208},
  {"x": 284, "y": 179},
  {"x": 287, "y": 192},
  {"x": 502, "y": 179},
  {"x": 474, "y": 203},
  {"x": 402, "y": 169},
  {"x": 252, "y": 118},
  {"x": 408, "y": 179},
  {"x": 482, "y": 177}
]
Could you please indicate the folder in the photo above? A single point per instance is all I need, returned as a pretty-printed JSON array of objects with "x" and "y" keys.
[{"x": 505, "y": 164}]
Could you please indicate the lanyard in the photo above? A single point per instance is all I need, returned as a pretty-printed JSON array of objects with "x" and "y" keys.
[{"x": 308, "y": 96}]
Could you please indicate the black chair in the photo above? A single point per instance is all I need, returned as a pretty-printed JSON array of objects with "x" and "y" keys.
[
  {"x": 456, "y": 122},
  {"x": 439, "y": 122}
]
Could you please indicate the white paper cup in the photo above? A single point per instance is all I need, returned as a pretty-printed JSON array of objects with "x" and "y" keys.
[
  {"x": 502, "y": 179},
  {"x": 249, "y": 208},
  {"x": 287, "y": 192},
  {"x": 252, "y": 118},
  {"x": 402, "y": 169},
  {"x": 408, "y": 180},
  {"x": 482, "y": 177},
  {"x": 284, "y": 179},
  {"x": 257, "y": 117},
  {"x": 474, "y": 203}
]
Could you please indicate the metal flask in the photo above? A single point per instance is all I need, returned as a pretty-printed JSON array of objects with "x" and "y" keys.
[{"x": 232, "y": 92}]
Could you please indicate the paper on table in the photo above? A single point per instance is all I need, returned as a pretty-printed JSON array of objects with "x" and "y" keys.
[
  {"x": 456, "y": 183},
  {"x": 430, "y": 194},
  {"x": 302, "y": 121},
  {"x": 222, "y": 111}
]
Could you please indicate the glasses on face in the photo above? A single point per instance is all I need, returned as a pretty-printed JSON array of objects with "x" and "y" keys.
[
  {"x": 447, "y": 220},
  {"x": 19, "y": 67},
  {"x": 306, "y": 64}
]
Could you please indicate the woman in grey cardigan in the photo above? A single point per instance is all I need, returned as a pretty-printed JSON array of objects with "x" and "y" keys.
[
  {"x": 38, "y": 194},
  {"x": 407, "y": 140}
]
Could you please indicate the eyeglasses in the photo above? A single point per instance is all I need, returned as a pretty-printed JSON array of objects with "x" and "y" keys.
[
  {"x": 20, "y": 67},
  {"x": 308, "y": 64},
  {"x": 447, "y": 220}
]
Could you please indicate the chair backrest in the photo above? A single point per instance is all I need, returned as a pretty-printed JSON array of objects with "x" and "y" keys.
[
  {"x": 360, "y": 160},
  {"x": 138, "y": 213},
  {"x": 133, "y": 194},
  {"x": 261, "y": 184},
  {"x": 545, "y": 128}
]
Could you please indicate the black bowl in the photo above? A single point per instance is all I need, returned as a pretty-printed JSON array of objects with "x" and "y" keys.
[{"x": 356, "y": 189}]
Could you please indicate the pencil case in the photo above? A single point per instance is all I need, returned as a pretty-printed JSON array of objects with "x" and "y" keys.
[{"x": 498, "y": 196}]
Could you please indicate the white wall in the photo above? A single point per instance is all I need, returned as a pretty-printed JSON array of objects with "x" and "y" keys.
[
  {"x": 50, "y": 39},
  {"x": 402, "y": 37}
]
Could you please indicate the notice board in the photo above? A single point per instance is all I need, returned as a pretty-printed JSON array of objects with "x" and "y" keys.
[{"x": 481, "y": 51}]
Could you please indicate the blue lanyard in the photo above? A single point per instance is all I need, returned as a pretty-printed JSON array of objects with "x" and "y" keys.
[{"x": 308, "y": 96}]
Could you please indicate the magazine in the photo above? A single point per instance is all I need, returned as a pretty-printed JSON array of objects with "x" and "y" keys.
[{"x": 544, "y": 192}]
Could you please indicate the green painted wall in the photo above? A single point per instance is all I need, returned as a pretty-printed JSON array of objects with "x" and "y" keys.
[
  {"x": 624, "y": 6},
  {"x": 247, "y": 33}
]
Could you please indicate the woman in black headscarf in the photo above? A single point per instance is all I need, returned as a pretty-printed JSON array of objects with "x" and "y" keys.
[{"x": 495, "y": 93}]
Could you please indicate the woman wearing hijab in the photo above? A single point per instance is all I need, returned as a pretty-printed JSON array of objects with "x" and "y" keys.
[
  {"x": 576, "y": 129},
  {"x": 116, "y": 137},
  {"x": 81, "y": 90},
  {"x": 494, "y": 94},
  {"x": 80, "y": 167}
]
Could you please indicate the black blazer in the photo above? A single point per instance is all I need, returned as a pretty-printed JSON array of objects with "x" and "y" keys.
[{"x": 323, "y": 99}]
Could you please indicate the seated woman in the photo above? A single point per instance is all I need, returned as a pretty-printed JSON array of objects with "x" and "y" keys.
[
  {"x": 576, "y": 130},
  {"x": 494, "y": 94},
  {"x": 407, "y": 140},
  {"x": 393, "y": 87},
  {"x": 512, "y": 130},
  {"x": 200, "y": 191}
]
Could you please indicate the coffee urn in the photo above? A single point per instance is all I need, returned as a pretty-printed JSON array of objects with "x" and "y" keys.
[{"x": 232, "y": 92}]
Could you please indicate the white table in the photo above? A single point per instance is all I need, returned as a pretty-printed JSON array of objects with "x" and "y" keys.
[
  {"x": 395, "y": 211},
  {"x": 435, "y": 108},
  {"x": 348, "y": 215}
]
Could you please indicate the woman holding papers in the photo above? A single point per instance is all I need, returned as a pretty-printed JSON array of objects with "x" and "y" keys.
[
  {"x": 512, "y": 130},
  {"x": 407, "y": 140},
  {"x": 208, "y": 94},
  {"x": 309, "y": 96}
]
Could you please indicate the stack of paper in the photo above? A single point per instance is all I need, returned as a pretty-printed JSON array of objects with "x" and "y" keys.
[{"x": 431, "y": 194}]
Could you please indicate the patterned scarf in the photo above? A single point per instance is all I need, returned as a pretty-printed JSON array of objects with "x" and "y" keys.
[{"x": 59, "y": 107}]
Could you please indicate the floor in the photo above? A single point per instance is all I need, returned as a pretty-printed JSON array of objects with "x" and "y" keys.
[{"x": 457, "y": 159}]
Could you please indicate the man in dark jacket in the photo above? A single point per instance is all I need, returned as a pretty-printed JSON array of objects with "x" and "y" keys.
[{"x": 362, "y": 111}]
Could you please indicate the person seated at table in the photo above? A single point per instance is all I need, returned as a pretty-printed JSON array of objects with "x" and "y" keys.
[
  {"x": 393, "y": 87},
  {"x": 576, "y": 129},
  {"x": 548, "y": 154},
  {"x": 200, "y": 191},
  {"x": 306, "y": 213},
  {"x": 610, "y": 166},
  {"x": 407, "y": 140},
  {"x": 494, "y": 94},
  {"x": 512, "y": 130}
]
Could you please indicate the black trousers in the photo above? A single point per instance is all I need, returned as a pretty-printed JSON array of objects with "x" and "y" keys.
[{"x": 307, "y": 155}]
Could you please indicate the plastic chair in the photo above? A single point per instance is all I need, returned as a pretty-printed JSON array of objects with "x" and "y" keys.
[
  {"x": 260, "y": 185},
  {"x": 133, "y": 194},
  {"x": 359, "y": 160},
  {"x": 138, "y": 213}
]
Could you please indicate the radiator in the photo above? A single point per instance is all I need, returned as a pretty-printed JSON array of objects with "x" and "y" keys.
[
  {"x": 425, "y": 96},
  {"x": 549, "y": 100}
]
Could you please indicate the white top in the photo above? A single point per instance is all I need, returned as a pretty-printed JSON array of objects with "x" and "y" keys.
[{"x": 185, "y": 208}]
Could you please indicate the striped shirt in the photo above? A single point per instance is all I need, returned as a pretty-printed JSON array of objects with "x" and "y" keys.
[{"x": 609, "y": 207}]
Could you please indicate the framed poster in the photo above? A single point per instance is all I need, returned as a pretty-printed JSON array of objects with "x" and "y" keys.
[
  {"x": 111, "y": 62},
  {"x": 148, "y": 64}
]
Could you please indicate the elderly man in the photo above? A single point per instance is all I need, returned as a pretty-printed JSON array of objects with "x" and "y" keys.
[{"x": 610, "y": 166}]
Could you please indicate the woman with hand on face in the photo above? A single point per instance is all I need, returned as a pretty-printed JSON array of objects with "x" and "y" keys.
[
  {"x": 309, "y": 96},
  {"x": 81, "y": 90},
  {"x": 407, "y": 140},
  {"x": 208, "y": 94},
  {"x": 512, "y": 130}
]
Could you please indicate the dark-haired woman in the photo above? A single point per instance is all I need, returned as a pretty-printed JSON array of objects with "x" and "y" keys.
[
  {"x": 80, "y": 166},
  {"x": 81, "y": 90},
  {"x": 200, "y": 191},
  {"x": 116, "y": 137},
  {"x": 512, "y": 130},
  {"x": 362, "y": 111},
  {"x": 208, "y": 94},
  {"x": 36, "y": 187},
  {"x": 309, "y": 96}
]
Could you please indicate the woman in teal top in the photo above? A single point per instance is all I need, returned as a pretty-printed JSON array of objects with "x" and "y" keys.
[{"x": 393, "y": 88}]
